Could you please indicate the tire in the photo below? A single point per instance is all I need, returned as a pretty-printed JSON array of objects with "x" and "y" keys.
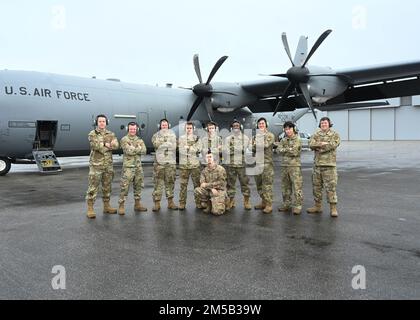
[{"x": 5, "y": 165}]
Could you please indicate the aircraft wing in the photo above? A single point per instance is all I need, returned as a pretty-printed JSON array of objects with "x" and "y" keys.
[
  {"x": 381, "y": 82},
  {"x": 373, "y": 74},
  {"x": 366, "y": 84},
  {"x": 269, "y": 105},
  {"x": 272, "y": 87}
]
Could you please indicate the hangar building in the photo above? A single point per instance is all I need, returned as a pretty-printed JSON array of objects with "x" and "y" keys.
[{"x": 400, "y": 121}]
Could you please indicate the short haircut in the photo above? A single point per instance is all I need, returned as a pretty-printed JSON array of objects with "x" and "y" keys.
[
  {"x": 325, "y": 119},
  {"x": 262, "y": 119},
  {"x": 289, "y": 124},
  {"x": 101, "y": 116},
  {"x": 132, "y": 123}
]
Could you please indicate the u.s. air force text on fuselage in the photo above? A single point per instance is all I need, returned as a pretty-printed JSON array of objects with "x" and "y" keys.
[{"x": 46, "y": 93}]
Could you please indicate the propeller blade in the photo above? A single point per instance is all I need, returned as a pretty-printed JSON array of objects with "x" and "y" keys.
[
  {"x": 286, "y": 47},
  {"x": 316, "y": 45},
  {"x": 304, "y": 88},
  {"x": 209, "y": 109},
  {"x": 194, "y": 107},
  {"x": 215, "y": 68},
  {"x": 301, "y": 51},
  {"x": 186, "y": 88},
  {"x": 224, "y": 92},
  {"x": 280, "y": 75},
  {"x": 284, "y": 97},
  {"x": 197, "y": 67}
]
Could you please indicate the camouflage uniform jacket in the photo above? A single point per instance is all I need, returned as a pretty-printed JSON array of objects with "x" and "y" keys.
[
  {"x": 267, "y": 139},
  {"x": 99, "y": 154},
  {"x": 216, "y": 177},
  {"x": 189, "y": 147},
  {"x": 290, "y": 149},
  {"x": 214, "y": 143},
  {"x": 165, "y": 145},
  {"x": 133, "y": 147},
  {"x": 325, "y": 156},
  {"x": 235, "y": 147}
]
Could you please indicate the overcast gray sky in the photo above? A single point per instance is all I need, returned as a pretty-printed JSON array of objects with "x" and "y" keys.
[{"x": 154, "y": 41}]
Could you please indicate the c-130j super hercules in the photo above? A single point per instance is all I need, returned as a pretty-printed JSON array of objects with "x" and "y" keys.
[{"x": 46, "y": 115}]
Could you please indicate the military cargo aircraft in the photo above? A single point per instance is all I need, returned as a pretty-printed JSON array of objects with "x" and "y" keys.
[{"x": 47, "y": 115}]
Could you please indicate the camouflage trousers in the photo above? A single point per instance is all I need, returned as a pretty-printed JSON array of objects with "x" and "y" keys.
[
  {"x": 325, "y": 177},
  {"x": 265, "y": 182},
  {"x": 232, "y": 173},
  {"x": 100, "y": 175},
  {"x": 164, "y": 179},
  {"x": 184, "y": 176},
  {"x": 292, "y": 183},
  {"x": 130, "y": 176},
  {"x": 217, "y": 202}
]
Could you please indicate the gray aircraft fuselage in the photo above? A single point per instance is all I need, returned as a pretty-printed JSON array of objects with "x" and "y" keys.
[{"x": 68, "y": 106}]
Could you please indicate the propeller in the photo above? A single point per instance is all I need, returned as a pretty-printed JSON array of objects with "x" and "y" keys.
[
  {"x": 204, "y": 91},
  {"x": 299, "y": 75}
]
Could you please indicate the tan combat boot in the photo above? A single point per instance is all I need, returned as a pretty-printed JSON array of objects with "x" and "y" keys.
[
  {"x": 315, "y": 209},
  {"x": 247, "y": 203},
  {"x": 208, "y": 207},
  {"x": 284, "y": 208},
  {"x": 121, "y": 210},
  {"x": 333, "y": 209},
  {"x": 203, "y": 205},
  {"x": 181, "y": 205},
  {"x": 138, "y": 207},
  {"x": 90, "y": 213},
  {"x": 228, "y": 203},
  {"x": 268, "y": 208},
  {"x": 232, "y": 202},
  {"x": 297, "y": 211},
  {"x": 108, "y": 209},
  {"x": 156, "y": 207},
  {"x": 171, "y": 204},
  {"x": 260, "y": 206}
]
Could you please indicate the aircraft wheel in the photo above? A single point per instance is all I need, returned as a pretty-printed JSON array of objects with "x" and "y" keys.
[{"x": 4, "y": 166}]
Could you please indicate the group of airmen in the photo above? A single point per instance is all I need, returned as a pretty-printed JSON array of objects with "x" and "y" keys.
[{"x": 214, "y": 184}]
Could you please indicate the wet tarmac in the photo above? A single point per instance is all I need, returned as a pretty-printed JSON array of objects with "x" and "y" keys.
[{"x": 241, "y": 255}]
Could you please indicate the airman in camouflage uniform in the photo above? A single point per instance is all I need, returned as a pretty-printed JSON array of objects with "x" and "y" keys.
[
  {"x": 132, "y": 171},
  {"x": 262, "y": 146},
  {"x": 164, "y": 167},
  {"x": 212, "y": 190},
  {"x": 189, "y": 146},
  {"x": 325, "y": 142},
  {"x": 213, "y": 142},
  {"x": 235, "y": 147},
  {"x": 102, "y": 143},
  {"x": 291, "y": 172}
]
